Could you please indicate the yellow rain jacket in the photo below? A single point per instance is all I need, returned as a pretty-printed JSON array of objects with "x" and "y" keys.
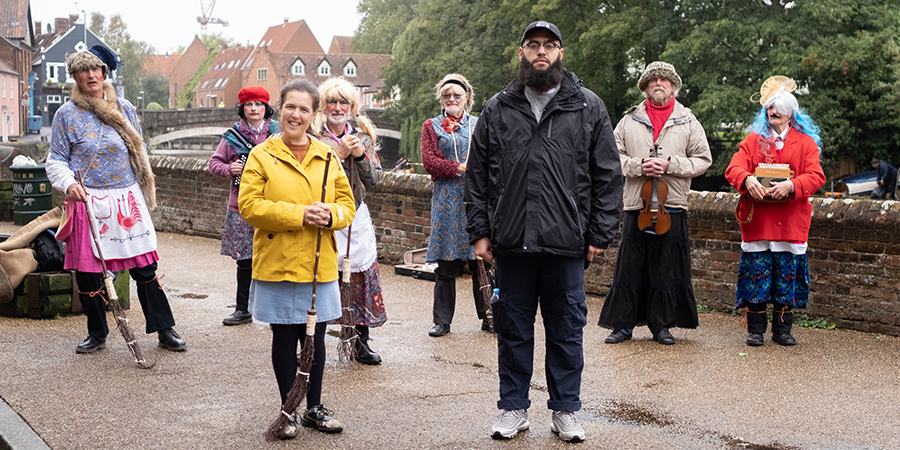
[{"x": 275, "y": 190}]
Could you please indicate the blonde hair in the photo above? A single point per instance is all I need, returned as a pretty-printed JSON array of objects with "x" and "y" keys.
[
  {"x": 337, "y": 88},
  {"x": 455, "y": 79}
]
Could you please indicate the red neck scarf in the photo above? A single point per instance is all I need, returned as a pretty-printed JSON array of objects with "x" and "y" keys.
[
  {"x": 659, "y": 115},
  {"x": 450, "y": 123}
]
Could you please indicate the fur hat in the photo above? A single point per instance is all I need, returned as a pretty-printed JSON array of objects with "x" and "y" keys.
[
  {"x": 658, "y": 69},
  {"x": 253, "y": 94},
  {"x": 81, "y": 61}
]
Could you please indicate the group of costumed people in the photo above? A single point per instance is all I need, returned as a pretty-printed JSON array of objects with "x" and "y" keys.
[{"x": 296, "y": 217}]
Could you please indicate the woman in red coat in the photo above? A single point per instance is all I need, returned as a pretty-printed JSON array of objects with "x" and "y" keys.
[{"x": 775, "y": 218}]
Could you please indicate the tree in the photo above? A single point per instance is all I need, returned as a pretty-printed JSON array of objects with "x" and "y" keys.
[
  {"x": 382, "y": 21},
  {"x": 131, "y": 52},
  {"x": 156, "y": 88}
]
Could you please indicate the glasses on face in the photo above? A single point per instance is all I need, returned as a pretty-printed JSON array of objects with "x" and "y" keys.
[
  {"x": 333, "y": 102},
  {"x": 457, "y": 97},
  {"x": 549, "y": 46}
]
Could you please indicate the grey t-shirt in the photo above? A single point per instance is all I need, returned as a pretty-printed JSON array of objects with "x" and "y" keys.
[{"x": 539, "y": 101}]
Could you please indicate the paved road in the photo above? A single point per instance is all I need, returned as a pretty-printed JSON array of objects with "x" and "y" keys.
[{"x": 836, "y": 390}]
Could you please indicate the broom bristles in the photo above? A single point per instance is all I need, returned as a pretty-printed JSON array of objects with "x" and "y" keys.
[
  {"x": 347, "y": 342},
  {"x": 484, "y": 284},
  {"x": 297, "y": 392}
]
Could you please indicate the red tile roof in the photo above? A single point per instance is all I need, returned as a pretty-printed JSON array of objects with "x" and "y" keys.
[
  {"x": 341, "y": 44},
  {"x": 368, "y": 67},
  {"x": 163, "y": 64},
  {"x": 14, "y": 18},
  {"x": 290, "y": 37},
  {"x": 226, "y": 66}
]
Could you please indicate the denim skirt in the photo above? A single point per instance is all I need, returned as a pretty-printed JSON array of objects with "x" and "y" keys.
[{"x": 286, "y": 302}]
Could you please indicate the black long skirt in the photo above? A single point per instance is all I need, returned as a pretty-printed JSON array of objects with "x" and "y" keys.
[{"x": 652, "y": 282}]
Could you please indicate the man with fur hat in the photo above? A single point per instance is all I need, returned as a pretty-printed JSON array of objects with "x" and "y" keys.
[
  {"x": 96, "y": 138},
  {"x": 658, "y": 139},
  {"x": 543, "y": 199},
  {"x": 228, "y": 161}
]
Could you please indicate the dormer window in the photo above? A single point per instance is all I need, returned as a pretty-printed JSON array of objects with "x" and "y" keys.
[
  {"x": 324, "y": 69},
  {"x": 350, "y": 69},
  {"x": 298, "y": 69}
]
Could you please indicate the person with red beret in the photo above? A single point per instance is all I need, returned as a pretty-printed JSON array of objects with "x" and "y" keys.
[{"x": 228, "y": 162}]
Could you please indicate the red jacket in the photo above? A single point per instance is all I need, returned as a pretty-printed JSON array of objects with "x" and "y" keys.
[{"x": 779, "y": 221}]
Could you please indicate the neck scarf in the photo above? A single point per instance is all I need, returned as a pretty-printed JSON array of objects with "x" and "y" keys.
[
  {"x": 450, "y": 123},
  {"x": 659, "y": 115}
]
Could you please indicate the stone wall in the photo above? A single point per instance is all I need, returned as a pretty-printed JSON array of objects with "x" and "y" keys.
[{"x": 854, "y": 254}]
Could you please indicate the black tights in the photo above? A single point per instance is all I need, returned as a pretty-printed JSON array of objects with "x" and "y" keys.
[{"x": 284, "y": 360}]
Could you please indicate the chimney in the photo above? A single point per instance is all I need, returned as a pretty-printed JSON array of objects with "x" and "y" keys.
[
  {"x": 37, "y": 26},
  {"x": 72, "y": 19},
  {"x": 62, "y": 24},
  {"x": 285, "y": 21}
]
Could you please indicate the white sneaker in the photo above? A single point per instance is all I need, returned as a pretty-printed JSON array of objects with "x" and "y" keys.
[
  {"x": 566, "y": 426},
  {"x": 509, "y": 423}
]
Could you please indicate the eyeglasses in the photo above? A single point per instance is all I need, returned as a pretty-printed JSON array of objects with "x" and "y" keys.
[
  {"x": 549, "y": 46},
  {"x": 333, "y": 102},
  {"x": 457, "y": 97}
]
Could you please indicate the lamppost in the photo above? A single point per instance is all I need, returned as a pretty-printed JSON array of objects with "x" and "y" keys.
[{"x": 141, "y": 98}]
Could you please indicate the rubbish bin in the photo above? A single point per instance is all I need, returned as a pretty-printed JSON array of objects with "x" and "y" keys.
[
  {"x": 31, "y": 193},
  {"x": 34, "y": 124}
]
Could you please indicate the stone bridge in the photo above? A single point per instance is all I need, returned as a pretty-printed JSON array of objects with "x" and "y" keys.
[{"x": 168, "y": 125}]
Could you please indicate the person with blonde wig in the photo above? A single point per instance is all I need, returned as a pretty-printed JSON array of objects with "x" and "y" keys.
[
  {"x": 356, "y": 147},
  {"x": 445, "y": 151}
]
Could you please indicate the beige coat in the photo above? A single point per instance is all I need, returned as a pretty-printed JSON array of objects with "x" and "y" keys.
[{"x": 682, "y": 141}]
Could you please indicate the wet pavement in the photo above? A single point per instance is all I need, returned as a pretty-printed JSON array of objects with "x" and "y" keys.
[{"x": 835, "y": 390}]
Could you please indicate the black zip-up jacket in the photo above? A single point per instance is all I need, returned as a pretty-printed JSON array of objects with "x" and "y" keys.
[{"x": 553, "y": 186}]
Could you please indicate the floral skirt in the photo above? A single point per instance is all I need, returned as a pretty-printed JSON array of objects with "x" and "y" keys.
[
  {"x": 367, "y": 302},
  {"x": 772, "y": 277},
  {"x": 237, "y": 237}
]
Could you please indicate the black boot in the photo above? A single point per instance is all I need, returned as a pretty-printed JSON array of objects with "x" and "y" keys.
[
  {"x": 364, "y": 354},
  {"x": 242, "y": 298},
  {"x": 756, "y": 325},
  {"x": 782, "y": 319}
]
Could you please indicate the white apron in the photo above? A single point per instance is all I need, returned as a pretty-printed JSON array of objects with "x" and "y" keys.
[
  {"x": 363, "y": 250},
  {"x": 122, "y": 221}
]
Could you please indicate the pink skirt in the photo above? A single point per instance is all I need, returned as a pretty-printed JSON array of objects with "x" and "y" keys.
[{"x": 80, "y": 254}]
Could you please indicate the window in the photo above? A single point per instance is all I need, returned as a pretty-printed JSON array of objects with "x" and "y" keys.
[
  {"x": 262, "y": 74},
  {"x": 230, "y": 64},
  {"x": 298, "y": 70},
  {"x": 350, "y": 70},
  {"x": 53, "y": 99},
  {"x": 80, "y": 47},
  {"x": 218, "y": 83},
  {"x": 324, "y": 69},
  {"x": 4, "y": 87},
  {"x": 55, "y": 72}
]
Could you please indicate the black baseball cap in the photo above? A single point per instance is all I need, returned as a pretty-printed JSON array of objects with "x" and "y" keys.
[{"x": 541, "y": 24}]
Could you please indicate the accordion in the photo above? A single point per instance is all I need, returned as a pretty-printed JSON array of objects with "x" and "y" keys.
[
  {"x": 772, "y": 173},
  {"x": 242, "y": 157}
]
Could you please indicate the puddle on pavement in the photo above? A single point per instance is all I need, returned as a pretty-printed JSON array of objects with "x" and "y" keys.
[
  {"x": 626, "y": 412},
  {"x": 192, "y": 295},
  {"x": 638, "y": 415}
]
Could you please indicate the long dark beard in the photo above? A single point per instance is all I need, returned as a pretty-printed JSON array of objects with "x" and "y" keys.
[{"x": 540, "y": 80}]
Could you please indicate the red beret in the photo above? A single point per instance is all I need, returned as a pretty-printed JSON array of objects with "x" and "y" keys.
[{"x": 253, "y": 94}]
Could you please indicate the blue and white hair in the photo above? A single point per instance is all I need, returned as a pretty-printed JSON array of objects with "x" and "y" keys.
[{"x": 785, "y": 103}]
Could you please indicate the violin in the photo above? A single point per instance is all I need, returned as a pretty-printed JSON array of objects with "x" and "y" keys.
[{"x": 654, "y": 218}]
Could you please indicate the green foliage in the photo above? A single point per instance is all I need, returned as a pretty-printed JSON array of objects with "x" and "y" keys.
[
  {"x": 844, "y": 55},
  {"x": 153, "y": 106},
  {"x": 803, "y": 320},
  {"x": 132, "y": 53},
  {"x": 189, "y": 92},
  {"x": 156, "y": 88}
]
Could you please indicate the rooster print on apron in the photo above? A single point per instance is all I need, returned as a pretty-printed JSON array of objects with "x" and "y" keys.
[{"x": 122, "y": 221}]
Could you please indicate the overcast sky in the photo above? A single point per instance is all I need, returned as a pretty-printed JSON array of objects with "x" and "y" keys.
[{"x": 168, "y": 24}]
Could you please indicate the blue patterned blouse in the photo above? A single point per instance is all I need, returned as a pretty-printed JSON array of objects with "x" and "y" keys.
[
  {"x": 84, "y": 143},
  {"x": 449, "y": 239}
]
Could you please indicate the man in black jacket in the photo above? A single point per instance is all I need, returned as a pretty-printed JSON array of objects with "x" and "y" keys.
[
  {"x": 887, "y": 178},
  {"x": 543, "y": 197}
]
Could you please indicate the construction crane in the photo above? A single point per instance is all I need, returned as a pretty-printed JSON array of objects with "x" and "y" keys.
[{"x": 206, "y": 9}]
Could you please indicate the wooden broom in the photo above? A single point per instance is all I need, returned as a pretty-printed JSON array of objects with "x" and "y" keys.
[{"x": 118, "y": 312}]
